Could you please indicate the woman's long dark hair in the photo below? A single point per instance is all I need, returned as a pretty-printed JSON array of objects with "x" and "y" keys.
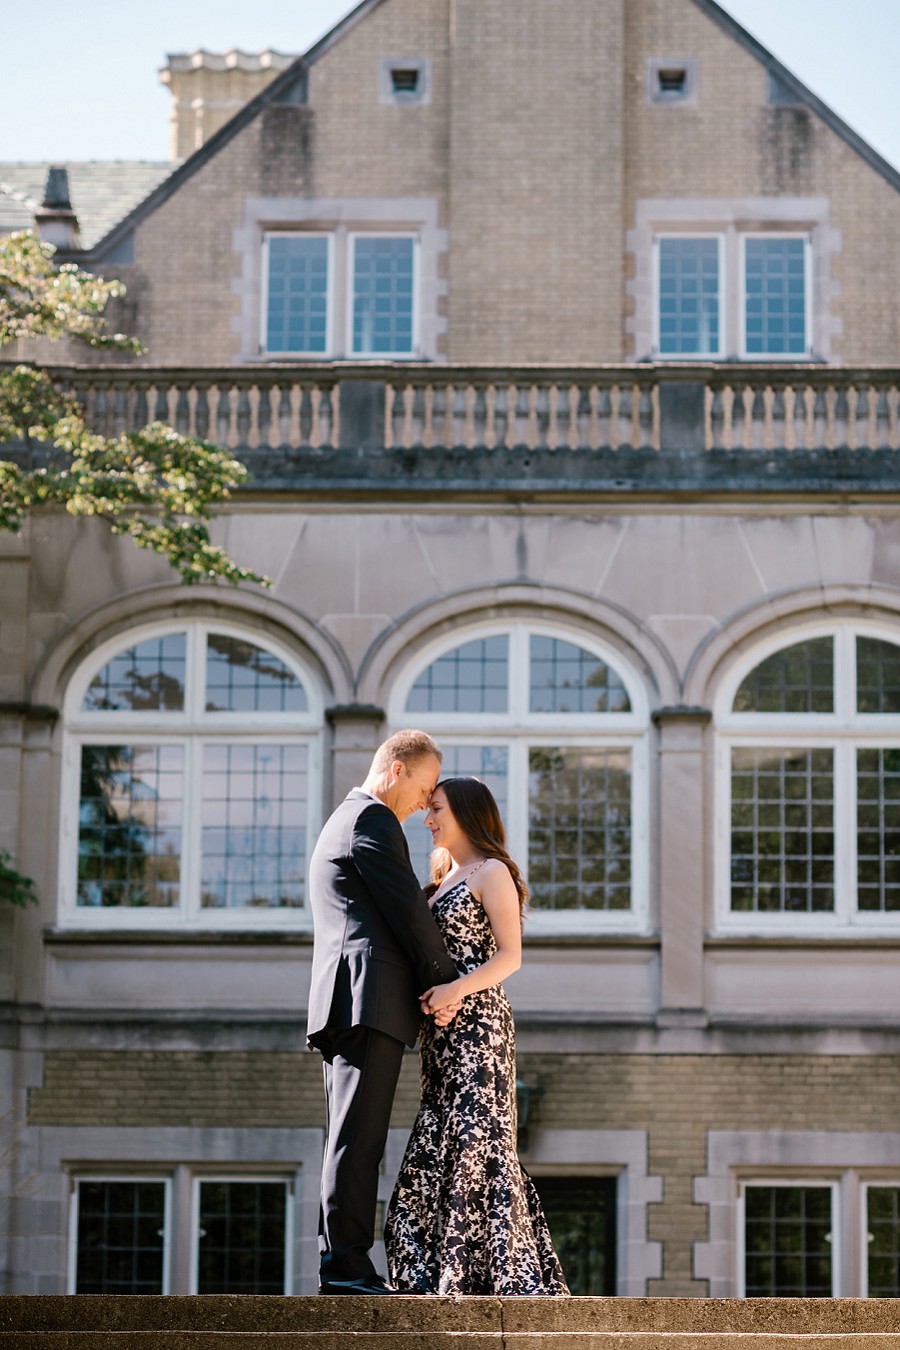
[{"x": 477, "y": 815}]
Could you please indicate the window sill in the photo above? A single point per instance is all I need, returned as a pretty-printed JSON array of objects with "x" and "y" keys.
[
  {"x": 823, "y": 941},
  {"x": 188, "y": 937}
]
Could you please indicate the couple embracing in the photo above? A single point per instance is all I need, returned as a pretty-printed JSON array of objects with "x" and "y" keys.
[{"x": 391, "y": 964}]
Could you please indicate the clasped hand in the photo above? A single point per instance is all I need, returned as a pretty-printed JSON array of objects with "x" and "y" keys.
[{"x": 441, "y": 1002}]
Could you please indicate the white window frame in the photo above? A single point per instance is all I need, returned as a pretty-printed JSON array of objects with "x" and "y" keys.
[
  {"x": 733, "y": 293},
  {"x": 193, "y": 728},
  {"x": 792, "y": 1182},
  {"x": 763, "y": 357},
  {"x": 843, "y": 731},
  {"x": 122, "y": 1179},
  {"x": 658, "y": 238},
  {"x": 340, "y": 295},
  {"x": 889, "y": 1183},
  {"x": 518, "y": 730},
  {"x": 329, "y": 296},
  {"x": 352, "y": 238},
  {"x": 200, "y": 1179}
]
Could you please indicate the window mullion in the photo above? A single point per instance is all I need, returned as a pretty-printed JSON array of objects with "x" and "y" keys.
[
  {"x": 191, "y": 861},
  {"x": 845, "y": 831}
]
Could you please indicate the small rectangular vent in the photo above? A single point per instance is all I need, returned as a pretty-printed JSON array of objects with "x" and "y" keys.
[{"x": 405, "y": 80}]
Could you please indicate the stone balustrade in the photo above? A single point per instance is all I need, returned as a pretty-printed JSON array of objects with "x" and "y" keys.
[{"x": 631, "y": 408}]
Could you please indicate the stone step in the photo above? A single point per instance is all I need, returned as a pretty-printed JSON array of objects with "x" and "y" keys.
[{"x": 237, "y": 1322}]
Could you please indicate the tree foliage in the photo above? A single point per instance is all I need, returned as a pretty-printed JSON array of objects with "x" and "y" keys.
[{"x": 157, "y": 486}]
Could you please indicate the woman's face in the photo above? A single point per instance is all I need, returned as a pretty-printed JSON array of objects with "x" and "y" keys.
[{"x": 442, "y": 823}]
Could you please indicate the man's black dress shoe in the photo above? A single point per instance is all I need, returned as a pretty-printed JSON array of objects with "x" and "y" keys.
[{"x": 363, "y": 1284}]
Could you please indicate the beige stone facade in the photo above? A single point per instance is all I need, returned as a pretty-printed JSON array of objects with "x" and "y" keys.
[{"x": 536, "y": 473}]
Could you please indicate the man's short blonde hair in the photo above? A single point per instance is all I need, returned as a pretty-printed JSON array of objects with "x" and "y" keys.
[{"x": 409, "y": 746}]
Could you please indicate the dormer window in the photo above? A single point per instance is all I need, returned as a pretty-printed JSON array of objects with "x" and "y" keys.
[
  {"x": 671, "y": 80},
  {"x": 404, "y": 80}
]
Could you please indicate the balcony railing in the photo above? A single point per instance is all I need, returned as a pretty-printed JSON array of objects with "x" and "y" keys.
[{"x": 636, "y": 408}]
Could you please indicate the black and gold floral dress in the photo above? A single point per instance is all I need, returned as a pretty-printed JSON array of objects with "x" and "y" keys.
[{"x": 464, "y": 1217}]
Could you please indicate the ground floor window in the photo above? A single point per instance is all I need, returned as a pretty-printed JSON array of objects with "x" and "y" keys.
[
  {"x": 581, "y": 1213},
  {"x": 788, "y": 1241},
  {"x": 122, "y": 1227},
  {"x": 882, "y": 1238}
]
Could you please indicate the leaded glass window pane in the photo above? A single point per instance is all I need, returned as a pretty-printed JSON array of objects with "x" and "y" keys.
[
  {"x": 688, "y": 297},
  {"x": 878, "y": 830},
  {"x": 877, "y": 676},
  {"x": 782, "y": 831},
  {"x": 253, "y": 826},
  {"x": 797, "y": 679},
  {"x": 241, "y": 677},
  {"x": 473, "y": 678},
  {"x": 581, "y": 1214},
  {"x": 775, "y": 278},
  {"x": 579, "y": 833},
  {"x": 297, "y": 314},
  {"x": 787, "y": 1238},
  {"x": 383, "y": 295},
  {"x": 130, "y": 814},
  {"x": 883, "y": 1232},
  {"x": 241, "y": 1242},
  {"x": 120, "y": 1241},
  {"x": 148, "y": 677},
  {"x": 490, "y": 763},
  {"x": 567, "y": 679}
]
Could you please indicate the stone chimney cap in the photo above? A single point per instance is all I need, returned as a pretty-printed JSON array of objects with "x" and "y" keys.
[
  {"x": 231, "y": 60},
  {"x": 56, "y": 193}
]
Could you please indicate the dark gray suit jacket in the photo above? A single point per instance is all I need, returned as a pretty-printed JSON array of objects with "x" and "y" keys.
[{"x": 377, "y": 948}]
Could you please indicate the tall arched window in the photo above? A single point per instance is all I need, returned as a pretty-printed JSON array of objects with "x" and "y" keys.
[
  {"x": 191, "y": 781},
  {"x": 809, "y": 773},
  {"x": 556, "y": 726}
]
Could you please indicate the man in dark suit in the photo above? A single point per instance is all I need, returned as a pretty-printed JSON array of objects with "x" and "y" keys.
[{"x": 377, "y": 948}]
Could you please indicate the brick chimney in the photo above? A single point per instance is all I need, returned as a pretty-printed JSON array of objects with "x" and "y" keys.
[
  {"x": 55, "y": 220},
  {"x": 208, "y": 88}
]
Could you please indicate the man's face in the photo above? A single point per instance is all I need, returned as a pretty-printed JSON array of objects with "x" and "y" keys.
[{"x": 412, "y": 785}]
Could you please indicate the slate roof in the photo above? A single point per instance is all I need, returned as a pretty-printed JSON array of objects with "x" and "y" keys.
[{"x": 103, "y": 192}]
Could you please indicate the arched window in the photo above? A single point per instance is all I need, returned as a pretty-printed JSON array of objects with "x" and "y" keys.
[
  {"x": 555, "y": 724},
  {"x": 810, "y": 776},
  {"x": 191, "y": 780}
]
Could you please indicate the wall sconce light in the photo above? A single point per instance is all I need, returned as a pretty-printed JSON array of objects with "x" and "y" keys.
[{"x": 527, "y": 1095}]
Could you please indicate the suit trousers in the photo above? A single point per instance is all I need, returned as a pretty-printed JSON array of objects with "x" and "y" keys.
[{"x": 362, "y": 1066}]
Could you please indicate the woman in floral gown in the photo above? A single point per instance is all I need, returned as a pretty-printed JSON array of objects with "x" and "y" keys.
[{"x": 464, "y": 1217}]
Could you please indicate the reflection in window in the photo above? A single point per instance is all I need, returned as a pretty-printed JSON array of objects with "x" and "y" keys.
[
  {"x": 797, "y": 679},
  {"x": 568, "y": 679},
  {"x": 787, "y": 1237},
  {"x": 490, "y": 763},
  {"x": 878, "y": 829},
  {"x": 241, "y": 677},
  {"x": 297, "y": 310},
  {"x": 775, "y": 298},
  {"x": 581, "y": 1213},
  {"x": 254, "y": 836},
  {"x": 383, "y": 295},
  {"x": 129, "y": 840},
  {"x": 782, "y": 830},
  {"x": 241, "y": 1243},
  {"x": 146, "y": 678},
  {"x": 120, "y": 1237},
  {"x": 579, "y": 838},
  {"x": 472, "y": 678},
  {"x": 877, "y": 676},
  {"x": 883, "y": 1230},
  {"x": 688, "y": 296}
]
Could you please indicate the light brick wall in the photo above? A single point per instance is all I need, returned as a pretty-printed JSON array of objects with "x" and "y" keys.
[
  {"x": 537, "y": 143},
  {"x": 677, "y": 1099}
]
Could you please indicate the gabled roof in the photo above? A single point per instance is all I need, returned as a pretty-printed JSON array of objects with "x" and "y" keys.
[
  {"x": 102, "y": 192},
  {"x": 801, "y": 92},
  {"x": 288, "y": 87}
]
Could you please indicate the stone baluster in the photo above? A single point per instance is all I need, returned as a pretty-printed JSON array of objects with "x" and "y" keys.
[
  {"x": 799, "y": 416},
  {"x": 284, "y": 414},
  {"x": 604, "y": 418},
  {"x": 459, "y": 414},
  {"x": 479, "y": 416},
  {"x": 841, "y": 419},
  {"x": 820, "y": 418},
  {"x": 862, "y": 435},
  {"x": 523, "y": 413},
  {"x": 439, "y": 415},
  {"x": 396, "y": 415},
  {"x": 264, "y": 415},
  {"x": 417, "y": 414},
  {"x": 738, "y": 418},
  {"x": 182, "y": 411},
  {"x": 717, "y": 420},
  {"x": 140, "y": 416},
  {"x": 758, "y": 420},
  {"x": 120, "y": 410},
  {"x": 328, "y": 432},
  {"x": 583, "y": 418},
  {"x": 779, "y": 418},
  {"x": 882, "y": 421},
  {"x": 645, "y": 419},
  {"x": 624, "y": 416},
  {"x": 201, "y": 412},
  {"x": 562, "y": 416},
  {"x": 501, "y": 415},
  {"x": 243, "y": 415},
  {"x": 306, "y": 415},
  {"x": 223, "y": 416},
  {"x": 161, "y": 411}
]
